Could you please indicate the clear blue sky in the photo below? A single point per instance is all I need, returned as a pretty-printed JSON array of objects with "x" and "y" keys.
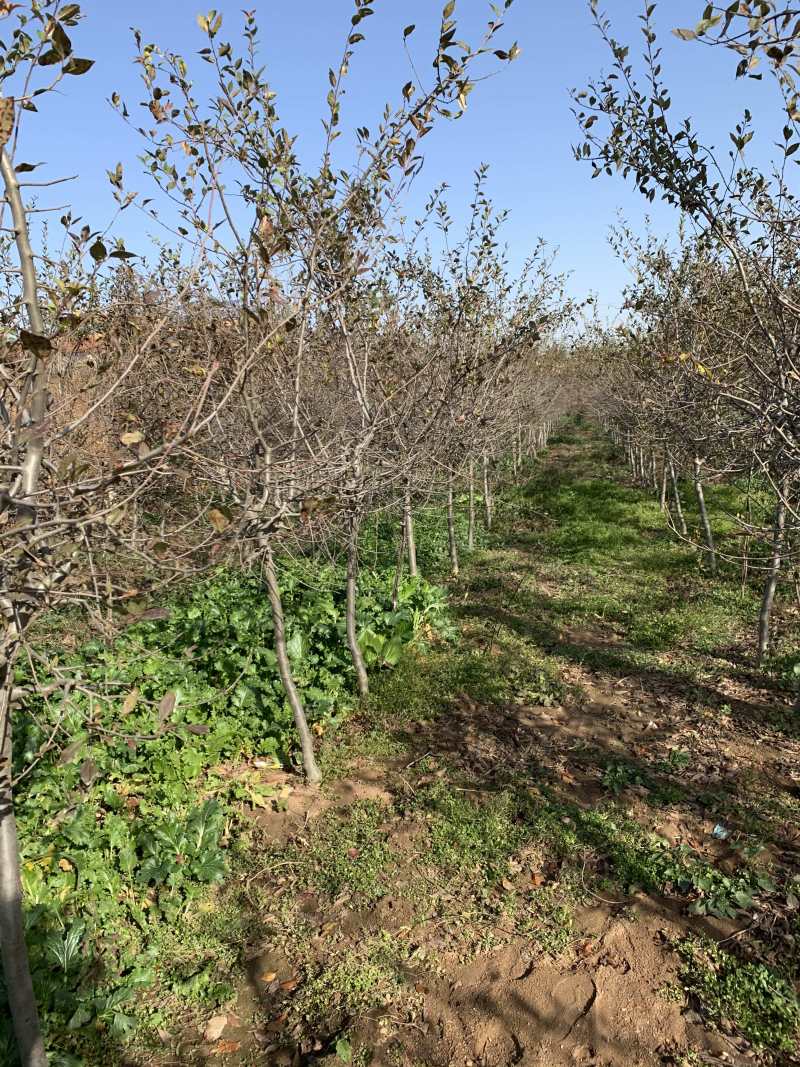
[{"x": 519, "y": 122}]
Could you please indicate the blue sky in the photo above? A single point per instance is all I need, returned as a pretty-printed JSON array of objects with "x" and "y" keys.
[{"x": 518, "y": 122}]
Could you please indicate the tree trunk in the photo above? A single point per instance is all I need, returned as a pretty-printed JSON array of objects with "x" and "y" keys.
[
  {"x": 487, "y": 495},
  {"x": 411, "y": 544},
  {"x": 16, "y": 969},
  {"x": 770, "y": 585},
  {"x": 398, "y": 567},
  {"x": 711, "y": 551},
  {"x": 471, "y": 511},
  {"x": 662, "y": 496},
  {"x": 310, "y": 766},
  {"x": 677, "y": 497},
  {"x": 451, "y": 530},
  {"x": 362, "y": 679}
]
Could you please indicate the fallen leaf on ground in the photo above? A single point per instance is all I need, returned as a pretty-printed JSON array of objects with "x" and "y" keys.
[{"x": 214, "y": 1027}]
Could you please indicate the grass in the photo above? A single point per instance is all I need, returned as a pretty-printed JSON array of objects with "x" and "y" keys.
[
  {"x": 348, "y": 854},
  {"x": 490, "y": 835},
  {"x": 757, "y": 1000}
]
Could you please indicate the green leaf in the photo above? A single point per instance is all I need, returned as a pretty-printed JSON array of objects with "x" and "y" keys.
[{"x": 344, "y": 1050}]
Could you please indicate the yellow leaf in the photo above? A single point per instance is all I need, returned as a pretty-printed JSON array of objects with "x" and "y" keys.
[
  {"x": 218, "y": 519},
  {"x": 133, "y": 437}
]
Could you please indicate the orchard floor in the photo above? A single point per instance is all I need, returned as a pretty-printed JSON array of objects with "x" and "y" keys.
[{"x": 570, "y": 838}]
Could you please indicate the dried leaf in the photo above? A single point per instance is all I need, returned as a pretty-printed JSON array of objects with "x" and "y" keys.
[
  {"x": 214, "y": 1027},
  {"x": 130, "y": 702},
  {"x": 227, "y": 1046},
  {"x": 270, "y": 976},
  {"x": 70, "y": 752},
  {"x": 290, "y": 984},
  {"x": 65, "y": 865},
  {"x": 88, "y": 772},
  {"x": 166, "y": 707},
  {"x": 218, "y": 519},
  {"x": 132, "y": 437}
]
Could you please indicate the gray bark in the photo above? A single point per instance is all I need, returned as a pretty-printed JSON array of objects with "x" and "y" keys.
[
  {"x": 711, "y": 552},
  {"x": 487, "y": 494},
  {"x": 451, "y": 530},
  {"x": 471, "y": 511},
  {"x": 677, "y": 497},
  {"x": 310, "y": 765},
  {"x": 398, "y": 567},
  {"x": 411, "y": 544},
  {"x": 362, "y": 679},
  {"x": 771, "y": 583},
  {"x": 16, "y": 968}
]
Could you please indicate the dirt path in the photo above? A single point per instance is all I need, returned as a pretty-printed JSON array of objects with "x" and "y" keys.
[{"x": 528, "y": 837}]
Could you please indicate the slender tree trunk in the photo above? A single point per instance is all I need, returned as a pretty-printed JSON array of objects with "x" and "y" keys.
[
  {"x": 662, "y": 496},
  {"x": 487, "y": 494},
  {"x": 411, "y": 544},
  {"x": 471, "y": 511},
  {"x": 653, "y": 472},
  {"x": 362, "y": 680},
  {"x": 16, "y": 968},
  {"x": 398, "y": 567},
  {"x": 677, "y": 497},
  {"x": 746, "y": 540},
  {"x": 310, "y": 766},
  {"x": 711, "y": 551},
  {"x": 770, "y": 585},
  {"x": 451, "y": 530}
]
